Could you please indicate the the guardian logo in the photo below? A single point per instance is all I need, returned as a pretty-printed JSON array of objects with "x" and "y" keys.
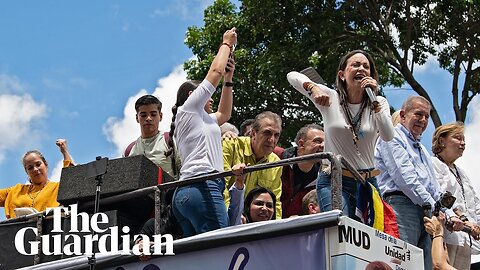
[{"x": 88, "y": 225}]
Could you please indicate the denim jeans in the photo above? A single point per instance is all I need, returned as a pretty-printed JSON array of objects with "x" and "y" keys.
[
  {"x": 200, "y": 208},
  {"x": 410, "y": 225},
  {"x": 349, "y": 193}
]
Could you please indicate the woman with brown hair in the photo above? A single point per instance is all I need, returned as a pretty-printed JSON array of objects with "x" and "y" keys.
[
  {"x": 40, "y": 193},
  {"x": 195, "y": 127},
  {"x": 352, "y": 123}
]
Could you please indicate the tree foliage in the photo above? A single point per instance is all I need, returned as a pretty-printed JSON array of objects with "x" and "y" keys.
[{"x": 278, "y": 36}]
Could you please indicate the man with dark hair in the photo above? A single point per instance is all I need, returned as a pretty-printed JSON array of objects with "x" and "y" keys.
[
  {"x": 256, "y": 149},
  {"x": 246, "y": 127},
  {"x": 152, "y": 143},
  {"x": 297, "y": 178}
]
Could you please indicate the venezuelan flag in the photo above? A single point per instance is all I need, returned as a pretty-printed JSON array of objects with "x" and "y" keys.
[{"x": 374, "y": 212}]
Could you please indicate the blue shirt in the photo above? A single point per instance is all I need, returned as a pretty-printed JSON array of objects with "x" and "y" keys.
[
  {"x": 235, "y": 209},
  {"x": 406, "y": 166}
]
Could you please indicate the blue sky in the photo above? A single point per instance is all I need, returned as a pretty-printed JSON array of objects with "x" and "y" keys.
[
  {"x": 67, "y": 67},
  {"x": 73, "y": 69}
]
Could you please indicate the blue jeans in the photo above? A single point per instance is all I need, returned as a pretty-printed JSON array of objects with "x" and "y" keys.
[
  {"x": 410, "y": 225},
  {"x": 200, "y": 208},
  {"x": 349, "y": 193}
]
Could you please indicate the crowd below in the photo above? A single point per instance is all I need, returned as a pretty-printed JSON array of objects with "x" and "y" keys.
[{"x": 389, "y": 156}]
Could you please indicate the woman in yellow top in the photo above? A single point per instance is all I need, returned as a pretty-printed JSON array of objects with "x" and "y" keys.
[{"x": 41, "y": 192}]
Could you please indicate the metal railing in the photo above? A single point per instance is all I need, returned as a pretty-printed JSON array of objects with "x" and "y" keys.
[{"x": 336, "y": 163}]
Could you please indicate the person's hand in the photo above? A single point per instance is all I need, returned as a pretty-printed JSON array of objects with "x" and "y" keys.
[
  {"x": 244, "y": 219},
  {"x": 229, "y": 135},
  {"x": 434, "y": 225},
  {"x": 372, "y": 83},
  {"x": 230, "y": 36},
  {"x": 62, "y": 145},
  {"x": 455, "y": 224},
  {"x": 237, "y": 169},
  {"x": 430, "y": 224},
  {"x": 475, "y": 230},
  {"x": 369, "y": 82},
  {"x": 228, "y": 77},
  {"x": 320, "y": 97}
]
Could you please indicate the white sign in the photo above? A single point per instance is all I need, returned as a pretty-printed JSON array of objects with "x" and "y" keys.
[{"x": 353, "y": 245}]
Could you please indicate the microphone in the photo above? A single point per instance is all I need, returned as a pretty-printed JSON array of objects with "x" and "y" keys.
[{"x": 371, "y": 96}]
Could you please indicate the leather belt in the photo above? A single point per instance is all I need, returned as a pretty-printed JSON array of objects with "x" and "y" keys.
[
  {"x": 364, "y": 175},
  {"x": 347, "y": 173},
  {"x": 396, "y": 192}
]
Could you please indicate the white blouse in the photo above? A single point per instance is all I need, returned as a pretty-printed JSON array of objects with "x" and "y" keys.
[{"x": 467, "y": 201}]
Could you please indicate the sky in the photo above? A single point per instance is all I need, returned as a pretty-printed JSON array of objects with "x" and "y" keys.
[{"x": 73, "y": 70}]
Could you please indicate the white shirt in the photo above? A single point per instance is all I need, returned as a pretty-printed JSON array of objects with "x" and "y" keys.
[
  {"x": 338, "y": 136},
  {"x": 467, "y": 201},
  {"x": 197, "y": 134}
]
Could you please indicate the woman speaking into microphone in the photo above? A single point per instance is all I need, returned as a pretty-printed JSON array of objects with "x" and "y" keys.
[{"x": 352, "y": 123}]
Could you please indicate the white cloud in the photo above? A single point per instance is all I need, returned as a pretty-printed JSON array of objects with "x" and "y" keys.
[
  {"x": 10, "y": 84},
  {"x": 431, "y": 65},
  {"x": 57, "y": 172},
  {"x": 123, "y": 131},
  {"x": 186, "y": 9},
  {"x": 18, "y": 112},
  {"x": 470, "y": 157}
]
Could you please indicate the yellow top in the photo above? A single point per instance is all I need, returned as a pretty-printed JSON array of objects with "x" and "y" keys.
[
  {"x": 36, "y": 196},
  {"x": 239, "y": 150}
]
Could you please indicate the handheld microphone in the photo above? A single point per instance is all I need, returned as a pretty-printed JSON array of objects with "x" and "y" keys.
[{"x": 371, "y": 96}]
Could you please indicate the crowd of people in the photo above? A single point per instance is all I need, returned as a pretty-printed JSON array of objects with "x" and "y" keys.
[{"x": 386, "y": 151}]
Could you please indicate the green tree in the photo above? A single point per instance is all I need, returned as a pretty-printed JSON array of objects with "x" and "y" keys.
[
  {"x": 278, "y": 36},
  {"x": 405, "y": 33}
]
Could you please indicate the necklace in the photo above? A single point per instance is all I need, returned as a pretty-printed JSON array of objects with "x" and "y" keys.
[
  {"x": 458, "y": 178},
  {"x": 456, "y": 174},
  {"x": 354, "y": 122},
  {"x": 36, "y": 195}
]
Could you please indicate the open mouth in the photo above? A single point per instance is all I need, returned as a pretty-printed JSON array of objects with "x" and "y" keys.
[
  {"x": 359, "y": 77},
  {"x": 263, "y": 216}
]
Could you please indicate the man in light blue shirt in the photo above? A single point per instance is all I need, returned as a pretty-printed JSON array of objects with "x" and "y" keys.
[{"x": 407, "y": 180}]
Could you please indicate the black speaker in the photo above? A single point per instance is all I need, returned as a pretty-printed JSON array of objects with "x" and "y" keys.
[
  {"x": 10, "y": 258},
  {"x": 123, "y": 175}
]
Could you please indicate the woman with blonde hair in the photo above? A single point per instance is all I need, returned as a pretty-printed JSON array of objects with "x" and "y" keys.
[{"x": 448, "y": 144}]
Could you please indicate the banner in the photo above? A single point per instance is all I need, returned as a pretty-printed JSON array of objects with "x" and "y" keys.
[
  {"x": 304, "y": 251},
  {"x": 352, "y": 245}
]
